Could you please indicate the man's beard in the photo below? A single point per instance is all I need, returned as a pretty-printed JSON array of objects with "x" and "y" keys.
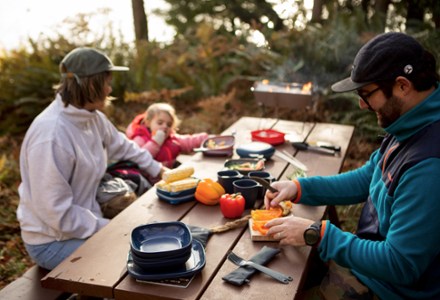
[{"x": 390, "y": 112}]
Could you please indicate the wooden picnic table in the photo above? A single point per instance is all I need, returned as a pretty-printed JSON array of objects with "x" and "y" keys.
[{"x": 98, "y": 267}]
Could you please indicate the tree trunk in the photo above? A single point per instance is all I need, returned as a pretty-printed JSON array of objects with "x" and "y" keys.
[
  {"x": 317, "y": 11},
  {"x": 415, "y": 12},
  {"x": 380, "y": 13},
  {"x": 140, "y": 20}
]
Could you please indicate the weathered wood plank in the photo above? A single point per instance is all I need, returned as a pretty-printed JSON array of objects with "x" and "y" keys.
[
  {"x": 97, "y": 266},
  {"x": 292, "y": 260}
]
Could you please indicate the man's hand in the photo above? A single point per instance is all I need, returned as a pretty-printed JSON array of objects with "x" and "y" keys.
[
  {"x": 287, "y": 190},
  {"x": 289, "y": 230}
]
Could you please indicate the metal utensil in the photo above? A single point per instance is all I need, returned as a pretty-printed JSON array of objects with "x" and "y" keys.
[
  {"x": 264, "y": 183},
  {"x": 306, "y": 146},
  {"x": 274, "y": 274},
  {"x": 291, "y": 160},
  {"x": 204, "y": 149},
  {"x": 328, "y": 146}
]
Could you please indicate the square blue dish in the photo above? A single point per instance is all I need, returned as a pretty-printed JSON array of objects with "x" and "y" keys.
[
  {"x": 175, "y": 199},
  {"x": 161, "y": 239},
  {"x": 183, "y": 193},
  {"x": 192, "y": 266},
  {"x": 160, "y": 263}
]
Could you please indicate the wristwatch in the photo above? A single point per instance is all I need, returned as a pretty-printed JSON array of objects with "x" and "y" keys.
[{"x": 312, "y": 235}]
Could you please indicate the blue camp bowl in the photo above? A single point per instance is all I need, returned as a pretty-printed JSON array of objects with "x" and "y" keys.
[
  {"x": 161, "y": 239},
  {"x": 256, "y": 150}
]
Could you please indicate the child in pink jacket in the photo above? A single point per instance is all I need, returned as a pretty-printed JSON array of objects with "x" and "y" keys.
[{"x": 156, "y": 131}]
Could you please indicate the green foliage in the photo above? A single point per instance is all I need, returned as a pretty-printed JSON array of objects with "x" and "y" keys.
[
  {"x": 204, "y": 59},
  {"x": 28, "y": 74}
]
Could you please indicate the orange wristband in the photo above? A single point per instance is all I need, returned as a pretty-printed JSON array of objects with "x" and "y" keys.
[{"x": 298, "y": 191}]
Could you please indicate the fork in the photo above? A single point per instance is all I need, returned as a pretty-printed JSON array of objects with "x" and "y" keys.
[{"x": 237, "y": 260}]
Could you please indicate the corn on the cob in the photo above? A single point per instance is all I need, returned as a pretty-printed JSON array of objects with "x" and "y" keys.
[
  {"x": 179, "y": 185},
  {"x": 163, "y": 185},
  {"x": 178, "y": 174},
  {"x": 184, "y": 184}
]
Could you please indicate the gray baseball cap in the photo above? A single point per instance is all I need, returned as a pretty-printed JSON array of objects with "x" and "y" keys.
[
  {"x": 384, "y": 57},
  {"x": 83, "y": 62}
]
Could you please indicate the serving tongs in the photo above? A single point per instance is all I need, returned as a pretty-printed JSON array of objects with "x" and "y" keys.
[{"x": 291, "y": 160}]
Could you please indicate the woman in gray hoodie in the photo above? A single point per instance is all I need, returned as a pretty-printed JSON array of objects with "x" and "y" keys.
[{"x": 64, "y": 156}]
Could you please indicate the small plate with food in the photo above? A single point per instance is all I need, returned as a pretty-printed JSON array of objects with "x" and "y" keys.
[
  {"x": 220, "y": 145},
  {"x": 259, "y": 217}
]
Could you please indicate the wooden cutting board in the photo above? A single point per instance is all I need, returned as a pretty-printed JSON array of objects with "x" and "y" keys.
[{"x": 258, "y": 237}]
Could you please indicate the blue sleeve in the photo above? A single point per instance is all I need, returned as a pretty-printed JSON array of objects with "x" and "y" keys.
[
  {"x": 347, "y": 188},
  {"x": 410, "y": 220}
]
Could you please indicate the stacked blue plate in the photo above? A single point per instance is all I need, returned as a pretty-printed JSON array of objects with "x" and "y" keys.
[
  {"x": 164, "y": 250},
  {"x": 176, "y": 197}
]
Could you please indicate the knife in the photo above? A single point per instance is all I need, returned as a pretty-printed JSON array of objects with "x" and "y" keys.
[
  {"x": 264, "y": 183},
  {"x": 328, "y": 146},
  {"x": 291, "y": 160},
  {"x": 307, "y": 147}
]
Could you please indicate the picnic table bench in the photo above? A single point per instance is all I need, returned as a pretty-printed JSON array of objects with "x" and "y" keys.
[{"x": 98, "y": 267}]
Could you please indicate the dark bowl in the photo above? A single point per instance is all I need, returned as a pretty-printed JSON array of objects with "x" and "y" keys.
[
  {"x": 245, "y": 165},
  {"x": 161, "y": 239}
]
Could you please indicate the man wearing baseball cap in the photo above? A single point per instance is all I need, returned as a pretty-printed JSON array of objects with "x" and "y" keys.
[
  {"x": 395, "y": 253},
  {"x": 64, "y": 156}
]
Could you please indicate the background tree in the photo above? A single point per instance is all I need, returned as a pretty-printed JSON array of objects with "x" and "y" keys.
[{"x": 140, "y": 20}]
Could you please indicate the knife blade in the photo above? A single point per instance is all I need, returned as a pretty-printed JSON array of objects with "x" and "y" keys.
[
  {"x": 264, "y": 183},
  {"x": 307, "y": 147},
  {"x": 328, "y": 146},
  {"x": 291, "y": 160}
]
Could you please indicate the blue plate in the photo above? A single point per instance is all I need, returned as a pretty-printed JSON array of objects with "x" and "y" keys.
[
  {"x": 174, "y": 199},
  {"x": 160, "y": 262},
  {"x": 193, "y": 265},
  {"x": 187, "y": 192},
  {"x": 161, "y": 239}
]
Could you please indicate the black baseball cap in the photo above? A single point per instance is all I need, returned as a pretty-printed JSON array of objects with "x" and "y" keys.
[
  {"x": 83, "y": 62},
  {"x": 384, "y": 57}
]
